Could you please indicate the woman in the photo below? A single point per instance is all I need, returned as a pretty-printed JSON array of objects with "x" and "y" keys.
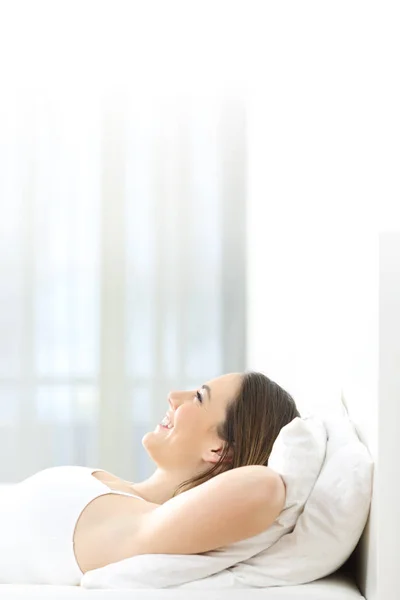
[{"x": 211, "y": 487}]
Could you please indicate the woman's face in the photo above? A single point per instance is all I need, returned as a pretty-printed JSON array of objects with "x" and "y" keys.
[{"x": 190, "y": 439}]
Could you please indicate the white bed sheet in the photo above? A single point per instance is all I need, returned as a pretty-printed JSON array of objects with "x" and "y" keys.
[{"x": 334, "y": 587}]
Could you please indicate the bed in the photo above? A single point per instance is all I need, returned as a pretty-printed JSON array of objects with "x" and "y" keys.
[
  {"x": 344, "y": 584},
  {"x": 338, "y": 586},
  {"x": 122, "y": 581},
  {"x": 151, "y": 577}
]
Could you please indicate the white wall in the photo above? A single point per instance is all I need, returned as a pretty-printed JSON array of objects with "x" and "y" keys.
[{"x": 309, "y": 265}]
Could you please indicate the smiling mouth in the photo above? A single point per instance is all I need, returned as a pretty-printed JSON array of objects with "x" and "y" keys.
[{"x": 166, "y": 423}]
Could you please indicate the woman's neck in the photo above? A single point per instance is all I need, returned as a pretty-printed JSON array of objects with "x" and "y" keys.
[{"x": 159, "y": 487}]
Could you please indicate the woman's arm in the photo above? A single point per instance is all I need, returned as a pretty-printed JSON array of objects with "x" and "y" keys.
[{"x": 232, "y": 506}]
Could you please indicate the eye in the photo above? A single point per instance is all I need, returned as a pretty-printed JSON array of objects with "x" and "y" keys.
[{"x": 199, "y": 397}]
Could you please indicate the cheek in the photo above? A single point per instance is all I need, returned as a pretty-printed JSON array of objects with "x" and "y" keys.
[{"x": 188, "y": 419}]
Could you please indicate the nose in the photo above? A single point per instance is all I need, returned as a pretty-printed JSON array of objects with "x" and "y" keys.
[{"x": 175, "y": 399}]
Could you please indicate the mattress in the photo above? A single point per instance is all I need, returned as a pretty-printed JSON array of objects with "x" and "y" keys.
[{"x": 333, "y": 587}]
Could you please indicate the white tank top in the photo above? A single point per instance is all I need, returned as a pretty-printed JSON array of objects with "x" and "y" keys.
[{"x": 37, "y": 523}]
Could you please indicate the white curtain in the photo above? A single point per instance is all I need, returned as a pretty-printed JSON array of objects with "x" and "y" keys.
[{"x": 122, "y": 267}]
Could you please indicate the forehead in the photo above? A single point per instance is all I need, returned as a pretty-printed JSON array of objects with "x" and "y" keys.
[{"x": 224, "y": 388}]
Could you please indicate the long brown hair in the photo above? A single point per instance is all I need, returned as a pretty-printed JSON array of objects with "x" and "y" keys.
[{"x": 253, "y": 421}]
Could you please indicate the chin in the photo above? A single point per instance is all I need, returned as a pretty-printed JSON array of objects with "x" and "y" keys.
[
  {"x": 146, "y": 440},
  {"x": 150, "y": 444}
]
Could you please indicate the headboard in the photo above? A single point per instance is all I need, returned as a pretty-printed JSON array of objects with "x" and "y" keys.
[{"x": 371, "y": 395}]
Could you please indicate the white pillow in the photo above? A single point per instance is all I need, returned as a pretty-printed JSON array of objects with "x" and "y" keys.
[
  {"x": 298, "y": 455},
  {"x": 333, "y": 519}
]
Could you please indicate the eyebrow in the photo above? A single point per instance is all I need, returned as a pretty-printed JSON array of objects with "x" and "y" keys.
[{"x": 205, "y": 387}]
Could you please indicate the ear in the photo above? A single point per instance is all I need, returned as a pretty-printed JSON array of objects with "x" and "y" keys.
[{"x": 213, "y": 455}]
